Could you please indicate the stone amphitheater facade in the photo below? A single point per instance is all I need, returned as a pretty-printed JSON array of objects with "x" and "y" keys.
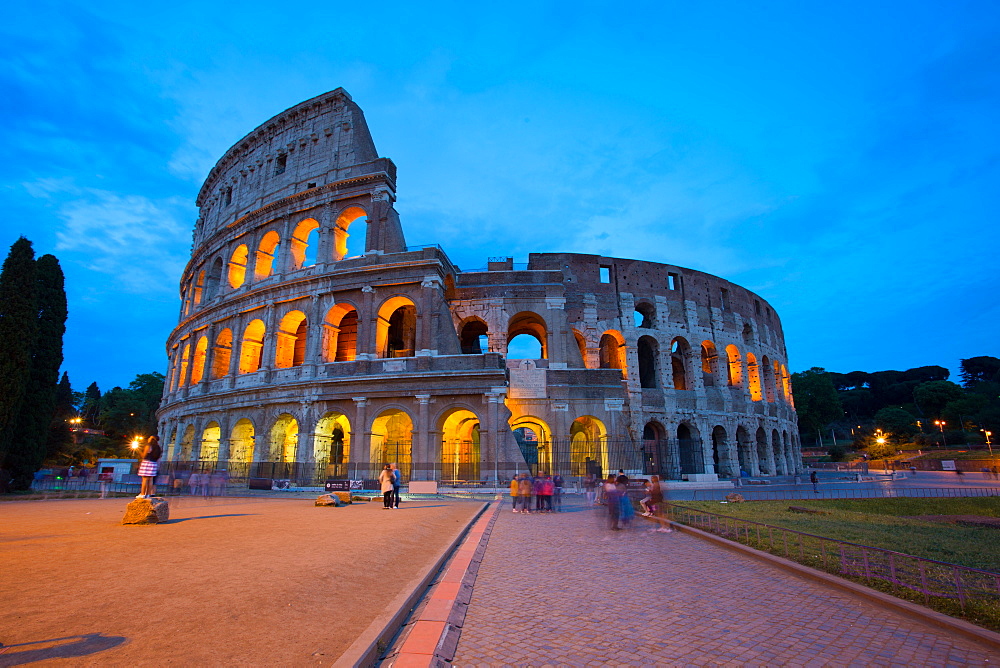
[{"x": 303, "y": 353}]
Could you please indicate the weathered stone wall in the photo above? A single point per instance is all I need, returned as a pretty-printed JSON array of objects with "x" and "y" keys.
[{"x": 283, "y": 339}]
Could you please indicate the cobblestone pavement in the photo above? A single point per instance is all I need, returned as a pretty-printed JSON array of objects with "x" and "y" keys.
[{"x": 562, "y": 589}]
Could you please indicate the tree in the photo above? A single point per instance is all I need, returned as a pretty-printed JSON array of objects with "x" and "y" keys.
[
  {"x": 896, "y": 422},
  {"x": 29, "y": 440},
  {"x": 934, "y": 395},
  {"x": 126, "y": 413},
  {"x": 90, "y": 407},
  {"x": 967, "y": 408},
  {"x": 979, "y": 370},
  {"x": 18, "y": 324},
  {"x": 816, "y": 400},
  {"x": 60, "y": 437}
]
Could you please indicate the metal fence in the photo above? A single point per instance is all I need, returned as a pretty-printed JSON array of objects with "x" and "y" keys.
[
  {"x": 843, "y": 493},
  {"x": 936, "y": 583}
]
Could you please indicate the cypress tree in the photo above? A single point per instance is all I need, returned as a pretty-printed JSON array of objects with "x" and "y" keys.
[
  {"x": 91, "y": 408},
  {"x": 18, "y": 326},
  {"x": 59, "y": 432},
  {"x": 29, "y": 440}
]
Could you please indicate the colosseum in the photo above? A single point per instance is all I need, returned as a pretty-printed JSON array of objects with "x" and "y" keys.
[{"x": 314, "y": 344}]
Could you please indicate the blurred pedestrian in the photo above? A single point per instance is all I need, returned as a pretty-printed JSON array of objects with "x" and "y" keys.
[
  {"x": 385, "y": 482},
  {"x": 547, "y": 490},
  {"x": 536, "y": 489},
  {"x": 515, "y": 491},
  {"x": 590, "y": 487},
  {"x": 613, "y": 499},
  {"x": 524, "y": 493},
  {"x": 627, "y": 512},
  {"x": 815, "y": 482},
  {"x": 397, "y": 483},
  {"x": 622, "y": 479},
  {"x": 654, "y": 497},
  {"x": 557, "y": 480}
]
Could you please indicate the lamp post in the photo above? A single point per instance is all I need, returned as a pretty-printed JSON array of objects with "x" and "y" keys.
[
  {"x": 941, "y": 424},
  {"x": 988, "y": 434}
]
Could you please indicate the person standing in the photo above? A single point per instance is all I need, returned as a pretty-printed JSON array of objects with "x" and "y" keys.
[
  {"x": 515, "y": 490},
  {"x": 613, "y": 499},
  {"x": 590, "y": 487},
  {"x": 815, "y": 482},
  {"x": 557, "y": 480},
  {"x": 397, "y": 483},
  {"x": 149, "y": 466},
  {"x": 524, "y": 488},
  {"x": 385, "y": 484},
  {"x": 622, "y": 479}
]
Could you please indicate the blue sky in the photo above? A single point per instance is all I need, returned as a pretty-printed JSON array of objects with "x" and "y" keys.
[{"x": 840, "y": 159}]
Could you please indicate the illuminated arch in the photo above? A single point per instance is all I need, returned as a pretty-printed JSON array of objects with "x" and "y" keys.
[
  {"x": 291, "y": 345},
  {"x": 222, "y": 354},
  {"x": 709, "y": 363},
  {"x": 753, "y": 374},
  {"x": 588, "y": 440},
  {"x": 786, "y": 384},
  {"x": 284, "y": 439},
  {"x": 735, "y": 366},
  {"x": 332, "y": 444},
  {"x": 534, "y": 439},
  {"x": 344, "y": 221},
  {"x": 612, "y": 352},
  {"x": 252, "y": 347},
  {"x": 530, "y": 324},
  {"x": 267, "y": 251},
  {"x": 581, "y": 344},
  {"x": 198, "y": 364},
  {"x": 301, "y": 245},
  {"x": 460, "y": 445},
  {"x": 210, "y": 437},
  {"x": 185, "y": 363},
  {"x": 396, "y": 328},
  {"x": 340, "y": 333},
  {"x": 474, "y": 336},
  {"x": 241, "y": 441},
  {"x": 187, "y": 444},
  {"x": 199, "y": 287},
  {"x": 237, "y": 274},
  {"x": 392, "y": 440}
]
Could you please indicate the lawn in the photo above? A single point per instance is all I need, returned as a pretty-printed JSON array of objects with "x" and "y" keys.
[{"x": 886, "y": 523}]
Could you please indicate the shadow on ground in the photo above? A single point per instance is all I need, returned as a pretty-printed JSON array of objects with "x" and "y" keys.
[{"x": 57, "y": 648}]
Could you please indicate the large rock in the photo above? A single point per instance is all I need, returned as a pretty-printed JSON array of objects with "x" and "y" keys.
[
  {"x": 147, "y": 511},
  {"x": 336, "y": 499}
]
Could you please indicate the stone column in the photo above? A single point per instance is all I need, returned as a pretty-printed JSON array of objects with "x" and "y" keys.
[
  {"x": 239, "y": 323},
  {"x": 367, "y": 325},
  {"x": 423, "y": 454},
  {"x": 556, "y": 331},
  {"x": 206, "y": 373},
  {"x": 314, "y": 338},
  {"x": 269, "y": 343}
]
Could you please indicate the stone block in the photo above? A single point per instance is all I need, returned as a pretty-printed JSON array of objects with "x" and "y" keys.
[
  {"x": 336, "y": 499},
  {"x": 147, "y": 511}
]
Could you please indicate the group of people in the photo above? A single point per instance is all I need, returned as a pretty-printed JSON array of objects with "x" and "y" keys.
[
  {"x": 546, "y": 490},
  {"x": 620, "y": 510},
  {"x": 390, "y": 480}
]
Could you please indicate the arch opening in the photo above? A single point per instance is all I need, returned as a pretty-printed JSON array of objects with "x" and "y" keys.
[
  {"x": 340, "y": 334},
  {"x": 474, "y": 337},
  {"x": 589, "y": 447},
  {"x": 648, "y": 350},
  {"x": 397, "y": 328},
  {"x": 222, "y": 354},
  {"x": 460, "y": 446},
  {"x": 198, "y": 363},
  {"x": 709, "y": 363},
  {"x": 291, "y": 345},
  {"x": 241, "y": 442},
  {"x": 303, "y": 243},
  {"x": 284, "y": 440},
  {"x": 392, "y": 441},
  {"x": 238, "y": 266},
  {"x": 349, "y": 233},
  {"x": 523, "y": 326},
  {"x": 679, "y": 350},
  {"x": 534, "y": 439},
  {"x": 267, "y": 253},
  {"x": 210, "y": 438},
  {"x": 252, "y": 347},
  {"x": 612, "y": 352},
  {"x": 332, "y": 444}
]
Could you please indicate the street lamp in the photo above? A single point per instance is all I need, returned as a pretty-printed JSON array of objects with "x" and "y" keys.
[
  {"x": 941, "y": 424},
  {"x": 988, "y": 434}
]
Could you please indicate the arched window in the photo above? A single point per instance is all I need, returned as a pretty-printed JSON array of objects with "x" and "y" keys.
[
  {"x": 332, "y": 444},
  {"x": 768, "y": 380},
  {"x": 291, "y": 345},
  {"x": 589, "y": 447},
  {"x": 648, "y": 351},
  {"x": 199, "y": 286},
  {"x": 284, "y": 439},
  {"x": 241, "y": 441},
  {"x": 210, "y": 436},
  {"x": 396, "y": 331},
  {"x": 222, "y": 353},
  {"x": 340, "y": 334},
  {"x": 612, "y": 352},
  {"x": 474, "y": 337},
  {"x": 526, "y": 324},
  {"x": 735, "y": 366},
  {"x": 747, "y": 333},
  {"x": 198, "y": 366},
  {"x": 303, "y": 243},
  {"x": 392, "y": 440},
  {"x": 185, "y": 362},
  {"x": 213, "y": 279},
  {"x": 645, "y": 315},
  {"x": 709, "y": 363},
  {"x": 679, "y": 349},
  {"x": 267, "y": 253},
  {"x": 252, "y": 347},
  {"x": 350, "y": 244},
  {"x": 238, "y": 266},
  {"x": 753, "y": 373}
]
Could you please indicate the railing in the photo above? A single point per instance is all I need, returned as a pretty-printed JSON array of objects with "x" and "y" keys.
[
  {"x": 844, "y": 493},
  {"x": 938, "y": 584}
]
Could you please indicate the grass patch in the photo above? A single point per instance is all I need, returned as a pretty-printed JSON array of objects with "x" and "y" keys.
[{"x": 885, "y": 523}]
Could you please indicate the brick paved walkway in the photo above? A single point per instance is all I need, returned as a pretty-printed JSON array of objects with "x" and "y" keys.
[{"x": 562, "y": 589}]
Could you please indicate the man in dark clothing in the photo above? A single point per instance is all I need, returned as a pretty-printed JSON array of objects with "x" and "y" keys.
[
  {"x": 815, "y": 482},
  {"x": 622, "y": 479}
]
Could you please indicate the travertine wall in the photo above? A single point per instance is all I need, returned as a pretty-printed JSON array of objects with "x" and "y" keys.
[{"x": 290, "y": 350}]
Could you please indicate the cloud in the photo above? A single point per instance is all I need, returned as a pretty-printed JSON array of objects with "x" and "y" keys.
[{"x": 136, "y": 239}]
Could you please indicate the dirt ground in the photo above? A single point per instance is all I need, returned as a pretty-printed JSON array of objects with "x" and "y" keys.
[{"x": 230, "y": 581}]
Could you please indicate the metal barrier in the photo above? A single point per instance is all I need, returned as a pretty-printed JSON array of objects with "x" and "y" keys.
[
  {"x": 843, "y": 493},
  {"x": 934, "y": 581}
]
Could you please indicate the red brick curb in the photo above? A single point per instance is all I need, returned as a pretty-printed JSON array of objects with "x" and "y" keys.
[
  {"x": 968, "y": 630},
  {"x": 434, "y": 635},
  {"x": 365, "y": 651}
]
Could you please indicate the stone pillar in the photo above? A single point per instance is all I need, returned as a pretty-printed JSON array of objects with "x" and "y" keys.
[
  {"x": 556, "y": 330},
  {"x": 367, "y": 325},
  {"x": 307, "y": 428},
  {"x": 424, "y": 454},
  {"x": 491, "y": 446},
  {"x": 239, "y": 323},
  {"x": 314, "y": 338},
  {"x": 427, "y": 316},
  {"x": 206, "y": 373},
  {"x": 269, "y": 343}
]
